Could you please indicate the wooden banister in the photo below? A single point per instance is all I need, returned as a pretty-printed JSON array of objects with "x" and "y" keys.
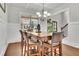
[{"x": 64, "y": 26}]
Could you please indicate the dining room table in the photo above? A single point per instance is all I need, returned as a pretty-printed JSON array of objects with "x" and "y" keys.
[{"x": 42, "y": 37}]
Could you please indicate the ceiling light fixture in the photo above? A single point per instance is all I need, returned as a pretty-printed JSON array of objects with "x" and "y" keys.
[{"x": 43, "y": 14}]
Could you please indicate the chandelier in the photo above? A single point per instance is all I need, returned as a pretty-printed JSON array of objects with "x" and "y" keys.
[{"x": 43, "y": 14}]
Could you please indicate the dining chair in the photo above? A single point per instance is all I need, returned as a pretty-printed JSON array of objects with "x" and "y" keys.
[
  {"x": 54, "y": 46},
  {"x": 27, "y": 47},
  {"x": 23, "y": 42},
  {"x": 32, "y": 47}
]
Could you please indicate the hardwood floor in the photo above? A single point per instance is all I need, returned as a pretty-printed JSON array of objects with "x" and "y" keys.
[
  {"x": 14, "y": 49},
  {"x": 69, "y": 50}
]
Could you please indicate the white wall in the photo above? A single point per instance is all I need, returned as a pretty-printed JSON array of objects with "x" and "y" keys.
[
  {"x": 74, "y": 12},
  {"x": 58, "y": 19},
  {"x": 3, "y": 31},
  {"x": 14, "y": 24},
  {"x": 43, "y": 25},
  {"x": 73, "y": 38},
  {"x": 13, "y": 32},
  {"x": 73, "y": 27}
]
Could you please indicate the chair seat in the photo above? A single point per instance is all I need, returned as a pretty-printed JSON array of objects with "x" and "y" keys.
[
  {"x": 34, "y": 39},
  {"x": 49, "y": 45},
  {"x": 53, "y": 44}
]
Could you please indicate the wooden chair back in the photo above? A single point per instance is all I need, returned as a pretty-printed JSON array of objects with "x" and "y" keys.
[
  {"x": 56, "y": 37},
  {"x": 23, "y": 42}
]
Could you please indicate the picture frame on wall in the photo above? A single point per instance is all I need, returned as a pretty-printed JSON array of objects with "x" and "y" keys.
[{"x": 3, "y": 7}]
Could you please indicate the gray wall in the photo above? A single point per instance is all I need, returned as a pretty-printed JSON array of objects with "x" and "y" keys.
[{"x": 3, "y": 31}]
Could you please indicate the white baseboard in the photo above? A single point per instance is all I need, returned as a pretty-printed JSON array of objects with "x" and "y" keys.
[
  {"x": 4, "y": 50},
  {"x": 6, "y": 45},
  {"x": 13, "y": 41},
  {"x": 73, "y": 44}
]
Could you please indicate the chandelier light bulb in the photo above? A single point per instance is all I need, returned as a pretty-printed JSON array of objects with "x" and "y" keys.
[
  {"x": 48, "y": 14},
  {"x": 38, "y": 13},
  {"x": 45, "y": 12},
  {"x": 44, "y": 15}
]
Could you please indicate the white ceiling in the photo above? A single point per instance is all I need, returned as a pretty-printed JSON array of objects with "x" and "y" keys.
[{"x": 36, "y": 7}]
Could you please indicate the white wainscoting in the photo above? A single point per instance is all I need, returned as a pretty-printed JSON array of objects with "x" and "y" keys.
[
  {"x": 13, "y": 32},
  {"x": 73, "y": 35}
]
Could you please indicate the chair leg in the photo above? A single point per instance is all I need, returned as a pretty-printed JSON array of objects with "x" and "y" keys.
[
  {"x": 54, "y": 52},
  {"x": 60, "y": 50},
  {"x": 51, "y": 50},
  {"x": 25, "y": 49},
  {"x": 21, "y": 49}
]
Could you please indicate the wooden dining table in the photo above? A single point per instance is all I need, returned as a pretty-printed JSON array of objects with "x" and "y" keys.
[{"x": 43, "y": 36}]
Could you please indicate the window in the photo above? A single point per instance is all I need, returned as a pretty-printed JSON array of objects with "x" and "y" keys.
[
  {"x": 54, "y": 26},
  {"x": 51, "y": 26}
]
